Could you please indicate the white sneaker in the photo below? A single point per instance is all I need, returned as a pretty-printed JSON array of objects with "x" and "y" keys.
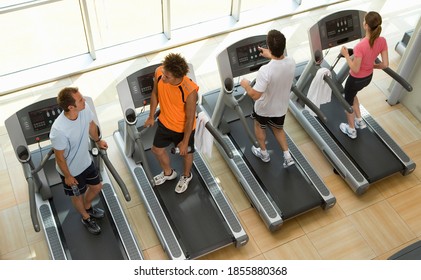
[
  {"x": 360, "y": 124},
  {"x": 344, "y": 127},
  {"x": 183, "y": 184},
  {"x": 258, "y": 153},
  {"x": 288, "y": 162},
  {"x": 161, "y": 177}
]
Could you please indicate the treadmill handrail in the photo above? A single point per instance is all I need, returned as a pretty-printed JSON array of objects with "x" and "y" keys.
[
  {"x": 396, "y": 77},
  {"x": 29, "y": 171},
  {"x": 216, "y": 134},
  {"x": 131, "y": 120},
  {"x": 144, "y": 159},
  {"x": 44, "y": 161},
  {"x": 337, "y": 92},
  {"x": 31, "y": 188},
  {"x": 309, "y": 103},
  {"x": 114, "y": 173}
]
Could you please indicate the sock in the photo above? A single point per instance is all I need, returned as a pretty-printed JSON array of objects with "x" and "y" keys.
[
  {"x": 264, "y": 152},
  {"x": 287, "y": 154},
  {"x": 359, "y": 119}
]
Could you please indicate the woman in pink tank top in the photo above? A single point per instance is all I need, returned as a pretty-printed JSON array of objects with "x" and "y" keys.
[{"x": 361, "y": 69}]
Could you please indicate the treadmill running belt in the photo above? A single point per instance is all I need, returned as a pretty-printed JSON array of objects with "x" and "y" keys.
[
  {"x": 79, "y": 243},
  {"x": 367, "y": 151},
  {"x": 194, "y": 216},
  {"x": 288, "y": 187}
]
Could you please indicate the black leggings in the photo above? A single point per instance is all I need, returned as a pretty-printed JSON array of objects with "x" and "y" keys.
[{"x": 354, "y": 85}]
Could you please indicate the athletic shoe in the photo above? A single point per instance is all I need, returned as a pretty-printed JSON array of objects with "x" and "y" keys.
[
  {"x": 258, "y": 153},
  {"x": 360, "y": 124},
  {"x": 161, "y": 177},
  {"x": 344, "y": 127},
  {"x": 95, "y": 212},
  {"x": 288, "y": 162},
  {"x": 183, "y": 184},
  {"x": 91, "y": 225}
]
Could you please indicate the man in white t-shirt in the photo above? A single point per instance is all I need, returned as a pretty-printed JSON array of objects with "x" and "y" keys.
[
  {"x": 69, "y": 136},
  {"x": 271, "y": 95}
]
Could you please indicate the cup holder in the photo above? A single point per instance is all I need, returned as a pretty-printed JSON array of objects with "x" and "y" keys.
[{"x": 130, "y": 116}]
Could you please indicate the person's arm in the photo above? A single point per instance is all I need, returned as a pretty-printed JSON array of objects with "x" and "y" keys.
[
  {"x": 93, "y": 133},
  {"x": 254, "y": 94},
  {"x": 190, "y": 108},
  {"x": 154, "y": 103},
  {"x": 265, "y": 53},
  {"x": 62, "y": 164},
  {"x": 384, "y": 62},
  {"x": 354, "y": 64}
]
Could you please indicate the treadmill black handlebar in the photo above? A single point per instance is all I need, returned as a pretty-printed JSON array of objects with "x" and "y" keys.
[
  {"x": 234, "y": 104},
  {"x": 310, "y": 104},
  {"x": 31, "y": 189},
  {"x": 107, "y": 162},
  {"x": 396, "y": 77},
  {"x": 114, "y": 173},
  {"x": 216, "y": 134},
  {"x": 29, "y": 171},
  {"x": 44, "y": 161},
  {"x": 337, "y": 92}
]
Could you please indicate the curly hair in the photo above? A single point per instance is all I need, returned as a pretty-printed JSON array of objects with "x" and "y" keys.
[
  {"x": 176, "y": 65},
  {"x": 276, "y": 42},
  {"x": 65, "y": 98}
]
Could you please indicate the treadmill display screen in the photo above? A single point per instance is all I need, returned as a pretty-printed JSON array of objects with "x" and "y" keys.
[
  {"x": 141, "y": 88},
  {"x": 44, "y": 118},
  {"x": 249, "y": 53},
  {"x": 339, "y": 26},
  {"x": 146, "y": 84}
]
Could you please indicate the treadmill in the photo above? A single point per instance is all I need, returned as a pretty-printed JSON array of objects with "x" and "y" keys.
[
  {"x": 410, "y": 252},
  {"x": 373, "y": 155},
  {"x": 51, "y": 209},
  {"x": 275, "y": 192},
  {"x": 189, "y": 225}
]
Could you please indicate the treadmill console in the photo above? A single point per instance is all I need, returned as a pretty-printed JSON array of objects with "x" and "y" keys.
[
  {"x": 141, "y": 85},
  {"x": 337, "y": 29},
  {"x": 244, "y": 56},
  {"x": 339, "y": 26},
  {"x": 36, "y": 120}
]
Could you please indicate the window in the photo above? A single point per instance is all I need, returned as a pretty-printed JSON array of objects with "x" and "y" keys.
[
  {"x": 115, "y": 22},
  {"x": 188, "y": 12},
  {"x": 40, "y": 35}
]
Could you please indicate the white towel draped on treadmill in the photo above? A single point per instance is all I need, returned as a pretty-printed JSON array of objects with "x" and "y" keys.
[
  {"x": 203, "y": 139},
  {"x": 319, "y": 91}
]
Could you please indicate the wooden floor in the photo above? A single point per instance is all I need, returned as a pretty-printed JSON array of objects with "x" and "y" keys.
[{"x": 371, "y": 226}]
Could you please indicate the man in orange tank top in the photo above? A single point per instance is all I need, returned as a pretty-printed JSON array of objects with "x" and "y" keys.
[{"x": 176, "y": 95}]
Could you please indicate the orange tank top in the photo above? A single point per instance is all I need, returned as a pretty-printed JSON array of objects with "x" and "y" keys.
[{"x": 172, "y": 101}]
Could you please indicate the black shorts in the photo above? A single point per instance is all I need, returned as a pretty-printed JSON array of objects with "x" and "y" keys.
[
  {"x": 164, "y": 137},
  {"x": 276, "y": 122},
  {"x": 89, "y": 176},
  {"x": 354, "y": 85}
]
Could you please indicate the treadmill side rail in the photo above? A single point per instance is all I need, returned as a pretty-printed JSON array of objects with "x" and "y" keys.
[
  {"x": 240, "y": 236},
  {"x": 409, "y": 164},
  {"x": 342, "y": 164},
  {"x": 270, "y": 214},
  {"x": 55, "y": 245},
  {"x": 126, "y": 235},
  {"x": 328, "y": 198},
  {"x": 155, "y": 212}
]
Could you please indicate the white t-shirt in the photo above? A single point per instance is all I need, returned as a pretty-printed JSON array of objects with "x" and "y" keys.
[
  {"x": 73, "y": 138},
  {"x": 274, "y": 80}
]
